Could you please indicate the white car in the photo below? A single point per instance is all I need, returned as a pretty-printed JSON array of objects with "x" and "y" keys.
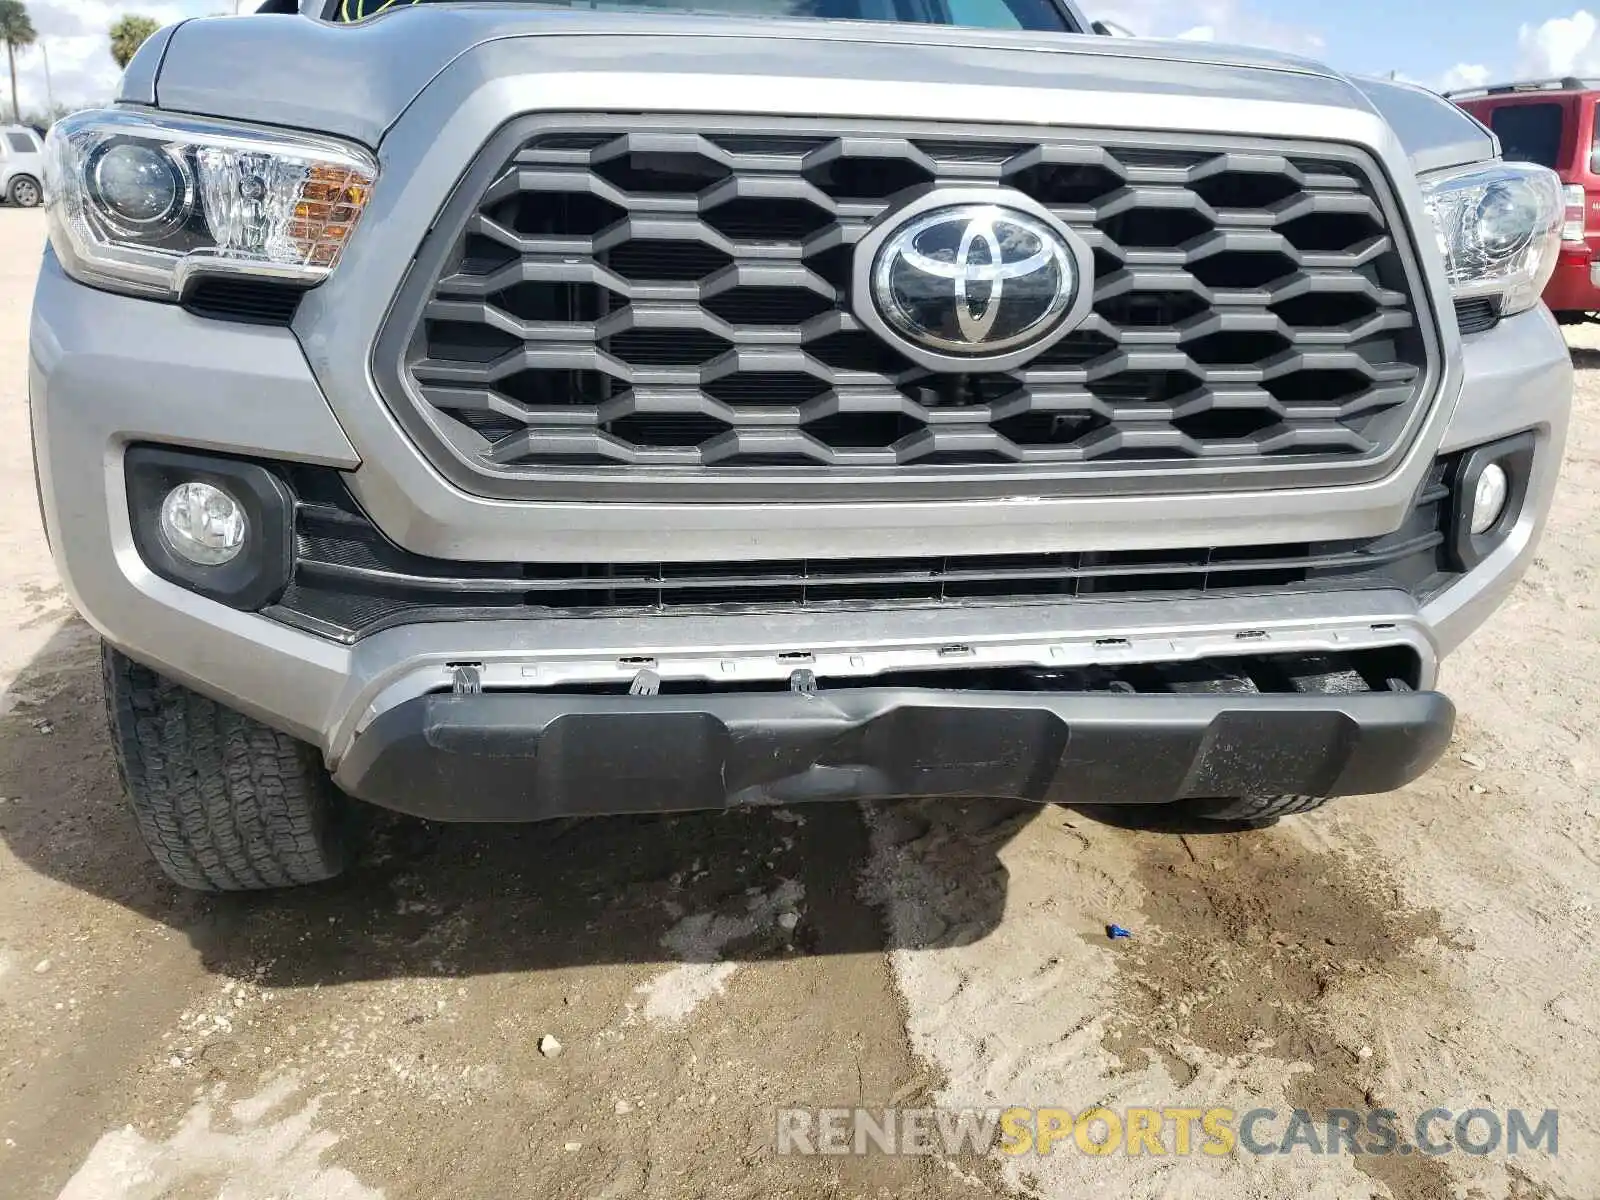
[{"x": 21, "y": 166}]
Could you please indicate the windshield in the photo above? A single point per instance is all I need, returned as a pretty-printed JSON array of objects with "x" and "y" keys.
[{"x": 1036, "y": 15}]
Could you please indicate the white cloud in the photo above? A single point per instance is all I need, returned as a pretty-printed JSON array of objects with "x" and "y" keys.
[
  {"x": 1210, "y": 21},
  {"x": 1556, "y": 48},
  {"x": 76, "y": 36},
  {"x": 1561, "y": 46},
  {"x": 1464, "y": 75}
]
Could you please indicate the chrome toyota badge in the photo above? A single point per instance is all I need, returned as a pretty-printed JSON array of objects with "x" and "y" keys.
[{"x": 971, "y": 278}]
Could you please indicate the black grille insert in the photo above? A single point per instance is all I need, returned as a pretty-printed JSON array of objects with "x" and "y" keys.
[
  {"x": 247, "y": 301},
  {"x": 1477, "y": 316},
  {"x": 691, "y": 259},
  {"x": 350, "y": 580}
]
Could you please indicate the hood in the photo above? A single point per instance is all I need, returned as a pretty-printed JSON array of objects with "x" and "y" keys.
[
  {"x": 355, "y": 81},
  {"x": 1436, "y": 134}
]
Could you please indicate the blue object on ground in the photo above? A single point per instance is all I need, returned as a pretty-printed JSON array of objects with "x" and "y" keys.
[{"x": 1117, "y": 933}]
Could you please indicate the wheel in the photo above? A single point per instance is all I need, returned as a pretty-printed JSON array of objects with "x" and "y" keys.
[
  {"x": 224, "y": 803},
  {"x": 1254, "y": 808},
  {"x": 25, "y": 192}
]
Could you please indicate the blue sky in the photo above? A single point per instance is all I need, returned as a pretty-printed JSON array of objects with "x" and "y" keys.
[
  {"x": 1421, "y": 39},
  {"x": 1464, "y": 42},
  {"x": 1429, "y": 42}
]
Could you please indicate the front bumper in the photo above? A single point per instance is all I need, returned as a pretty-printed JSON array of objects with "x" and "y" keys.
[
  {"x": 524, "y": 756},
  {"x": 109, "y": 371}
]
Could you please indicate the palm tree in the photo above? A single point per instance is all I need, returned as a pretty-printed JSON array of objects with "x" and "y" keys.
[
  {"x": 127, "y": 35},
  {"x": 16, "y": 30}
]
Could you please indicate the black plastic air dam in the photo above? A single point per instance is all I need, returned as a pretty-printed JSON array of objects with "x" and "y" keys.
[{"x": 525, "y": 756}]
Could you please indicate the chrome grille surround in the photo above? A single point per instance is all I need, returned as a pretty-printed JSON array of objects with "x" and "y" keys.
[{"x": 641, "y": 308}]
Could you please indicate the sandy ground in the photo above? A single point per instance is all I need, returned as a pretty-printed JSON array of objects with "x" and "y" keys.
[{"x": 382, "y": 1036}]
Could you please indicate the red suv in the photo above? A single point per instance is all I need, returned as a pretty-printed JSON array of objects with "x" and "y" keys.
[{"x": 1552, "y": 122}]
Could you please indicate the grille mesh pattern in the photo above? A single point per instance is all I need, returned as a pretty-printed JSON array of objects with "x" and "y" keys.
[{"x": 678, "y": 300}]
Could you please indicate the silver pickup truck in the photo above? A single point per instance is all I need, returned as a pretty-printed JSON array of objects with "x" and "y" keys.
[{"x": 506, "y": 411}]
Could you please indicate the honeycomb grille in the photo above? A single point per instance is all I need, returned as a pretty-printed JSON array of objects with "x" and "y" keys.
[{"x": 672, "y": 300}]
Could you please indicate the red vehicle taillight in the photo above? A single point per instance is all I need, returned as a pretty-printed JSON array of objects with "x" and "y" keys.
[{"x": 1576, "y": 226}]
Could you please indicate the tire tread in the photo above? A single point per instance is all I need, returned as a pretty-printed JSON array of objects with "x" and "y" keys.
[
  {"x": 224, "y": 802},
  {"x": 1257, "y": 808}
]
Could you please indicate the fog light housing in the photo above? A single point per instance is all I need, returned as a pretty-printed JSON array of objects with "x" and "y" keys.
[
  {"x": 220, "y": 527},
  {"x": 1489, "y": 497},
  {"x": 203, "y": 524}
]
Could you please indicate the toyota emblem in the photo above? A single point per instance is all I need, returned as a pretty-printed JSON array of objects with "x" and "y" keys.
[{"x": 969, "y": 284}]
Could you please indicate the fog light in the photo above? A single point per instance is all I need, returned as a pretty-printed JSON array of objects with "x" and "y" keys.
[
  {"x": 1489, "y": 498},
  {"x": 203, "y": 524},
  {"x": 1489, "y": 485}
]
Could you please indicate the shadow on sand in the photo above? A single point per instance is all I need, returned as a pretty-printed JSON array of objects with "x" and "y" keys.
[
  {"x": 1585, "y": 359},
  {"x": 516, "y": 898}
]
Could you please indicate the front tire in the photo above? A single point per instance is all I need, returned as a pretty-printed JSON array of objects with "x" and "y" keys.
[
  {"x": 25, "y": 192},
  {"x": 225, "y": 803},
  {"x": 1254, "y": 808}
]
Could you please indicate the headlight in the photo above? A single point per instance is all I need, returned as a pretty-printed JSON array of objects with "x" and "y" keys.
[
  {"x": 141, "y": 203},
  {"x": 1499, "y": 230}
]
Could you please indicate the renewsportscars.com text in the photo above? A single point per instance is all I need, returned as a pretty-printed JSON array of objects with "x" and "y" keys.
[{"x": 1179, "y": 1132}]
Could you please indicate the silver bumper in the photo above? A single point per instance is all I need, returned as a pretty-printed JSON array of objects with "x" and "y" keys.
[{"x": 107, "y": 371}]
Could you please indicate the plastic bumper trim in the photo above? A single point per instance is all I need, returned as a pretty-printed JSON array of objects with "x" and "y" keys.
[{"x": 531, "y": 756}]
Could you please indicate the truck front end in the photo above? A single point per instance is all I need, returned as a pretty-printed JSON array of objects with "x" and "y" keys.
[{"x": 641, "y": 413}]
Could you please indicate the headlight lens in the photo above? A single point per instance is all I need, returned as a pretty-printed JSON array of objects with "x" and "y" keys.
[
  {"x": 141, "y": 203},
  {"x": 1499, "y": 229},
  {"x": 139, "y": 188}
]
